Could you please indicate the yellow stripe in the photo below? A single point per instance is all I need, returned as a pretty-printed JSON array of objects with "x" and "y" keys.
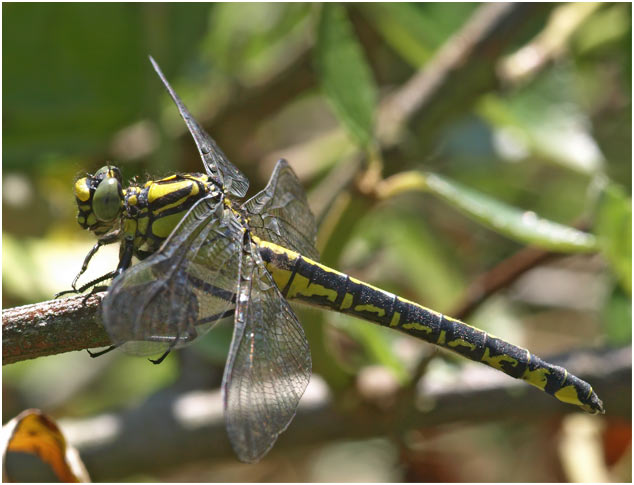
[
  {"x": 370, "y": 308},
  {"x": 536, "y": 377},
  {"x": 157, "y": 191},
  {"x": 568, "y": 394},
  {"x": 347, "y": 301},
  {"x": 82, "y": 192},
  {"x": 417, "y": 326},
  {"x": 395, "y": 319},
  {"x": 496, "y": 361}
]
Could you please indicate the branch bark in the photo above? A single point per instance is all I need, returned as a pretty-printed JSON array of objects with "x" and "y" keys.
[{"x": 52, "y": 327}]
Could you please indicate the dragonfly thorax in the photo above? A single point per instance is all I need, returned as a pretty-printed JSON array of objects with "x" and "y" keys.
[{"x": 153, "y": 210}]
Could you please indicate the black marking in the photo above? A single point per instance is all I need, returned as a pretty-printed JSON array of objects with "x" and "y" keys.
[
  {"x": 292, "y": 277},
  {"x": 342, "y": 294},
  {"x": 211, "y": 289}
]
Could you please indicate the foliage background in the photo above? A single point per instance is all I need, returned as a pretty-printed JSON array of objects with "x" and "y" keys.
[{"x": 303, "y": 82}]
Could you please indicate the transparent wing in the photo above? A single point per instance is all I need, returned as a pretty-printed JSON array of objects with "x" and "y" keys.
[
  {"x": 280, "y": 213},
  {"x": 168, "y": 299},
  {"x": 268, "y": 367},
  {"x": 216, "y": 163}
]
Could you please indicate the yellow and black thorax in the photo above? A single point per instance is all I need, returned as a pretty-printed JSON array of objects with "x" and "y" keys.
[{"x": 144, "y": 215}]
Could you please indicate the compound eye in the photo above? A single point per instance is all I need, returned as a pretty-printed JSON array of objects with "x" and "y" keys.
[
  {"x": 106, "y": 202},
  {"x": 102, "y": 170}
]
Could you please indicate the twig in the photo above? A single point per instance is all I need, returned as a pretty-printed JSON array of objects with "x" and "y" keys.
[
  {"x": 501, "y": 276},
  {"x": 461, "y": 70},
  {"x": 52, "y": 327}
]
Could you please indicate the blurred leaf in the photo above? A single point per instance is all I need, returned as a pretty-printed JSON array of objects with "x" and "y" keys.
[
  {"x": 86, "y": 75},
  {"x": 523, "y": 226},
  {"x": 545, "y": 119},
  {"x": 252, "y": 46},
  {"x": 415, "y": 30},
  {"x": 609, "y": 24},
  {"x": 376, "y": 342},
  {"x": 617, "y": 315},
  {"x": 405, "y": 28},
  {"x": 399, "y": 248},
  {"x": 35, "y": 450},
  {"x": 345, "y": 76},
  {"x": 613, "y": 228}
]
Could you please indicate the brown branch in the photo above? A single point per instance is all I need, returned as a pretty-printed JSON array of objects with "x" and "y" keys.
[
  {"x": 192, "y": 426},
  {"x": 501, "y": 276},
  {"x": 52, "y": 327}
]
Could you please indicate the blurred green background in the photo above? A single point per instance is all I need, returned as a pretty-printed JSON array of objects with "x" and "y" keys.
[{"x": 536, "y": 116}]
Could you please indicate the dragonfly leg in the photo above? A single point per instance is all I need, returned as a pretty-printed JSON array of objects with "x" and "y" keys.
[
  {"x": 101, "y": 352},
  {"x": 105, "y": 240},
  {"x": 91, "y": 284},
  {"x": 160, "y": 359},
  {"x": 124, "y": 262}
]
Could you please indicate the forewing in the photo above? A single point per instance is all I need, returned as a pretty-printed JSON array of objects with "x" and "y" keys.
[
  {"x": 268, "y": 367},
  {"x": 168, "y": 299},
  {"x": 280, "y": 213},
  {"x": 216, "y": 163}
]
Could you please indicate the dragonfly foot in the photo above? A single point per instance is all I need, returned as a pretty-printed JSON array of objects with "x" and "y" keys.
[
  {"x": 160, "y": 359},
  {"x": 101, "y": 352}
]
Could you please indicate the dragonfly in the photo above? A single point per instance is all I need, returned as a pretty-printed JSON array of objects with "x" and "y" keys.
[{"x": 205, "y": 256}]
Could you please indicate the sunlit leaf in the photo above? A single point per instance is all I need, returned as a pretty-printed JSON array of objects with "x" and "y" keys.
[
  {"x": 415, "y": 30},
  {"x": 344, "y": 74},
  {"x": 523, "y": 226},
  {"x": 544, "y": 119}
]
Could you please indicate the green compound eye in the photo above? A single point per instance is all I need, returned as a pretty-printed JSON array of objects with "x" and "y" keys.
[
  {"x": 103, "y": 170},
  {"x": 106, "y": 202}
]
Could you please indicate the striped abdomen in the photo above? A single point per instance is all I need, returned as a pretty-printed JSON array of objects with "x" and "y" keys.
[{"x": 302, "y": 279}]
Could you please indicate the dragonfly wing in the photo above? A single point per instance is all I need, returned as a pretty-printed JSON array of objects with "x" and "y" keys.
[
  {"x": 280, "y": 213},
  {"x": 182, "y": 290},
  {"x": 268, "y": 367},
  {"x": 216, "y": 163}
]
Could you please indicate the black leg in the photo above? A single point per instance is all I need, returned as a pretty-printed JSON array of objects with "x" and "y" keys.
[
  {"x": 101, "y": 352},
  {"x": 160, "y": 359},
  {"x": 104, "y": 240},
  {"x": 92, "y": 284}
]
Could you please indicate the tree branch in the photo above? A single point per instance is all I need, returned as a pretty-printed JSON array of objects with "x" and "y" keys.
[
  {"x": 52, "y": 327},
  {"x": 192, "y": 427},
  {"x": 462, "y": 69}
]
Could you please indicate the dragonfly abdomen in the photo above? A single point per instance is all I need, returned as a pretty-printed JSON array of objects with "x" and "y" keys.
[{"x": 302, "y": 279}]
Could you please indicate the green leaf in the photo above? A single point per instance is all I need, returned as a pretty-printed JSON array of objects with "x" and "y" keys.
[
  {"x": 82, "y": 73},
  {"x": 377, "y": 343},
  {"x": 254, "y": 45},
  {"x": 617, "y": 315},
  {"x": 544, "y": 119},
  {"x": 345, "y": 76},
  {"x": 416, "y": 30},
  {"x": 400, "y": 247},
  {"x": 613, "y": 228},
  {"x": 522, "y": 226}
]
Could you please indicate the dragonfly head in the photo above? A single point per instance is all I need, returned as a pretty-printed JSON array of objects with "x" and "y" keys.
[{"x": 99, "y": 199}]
